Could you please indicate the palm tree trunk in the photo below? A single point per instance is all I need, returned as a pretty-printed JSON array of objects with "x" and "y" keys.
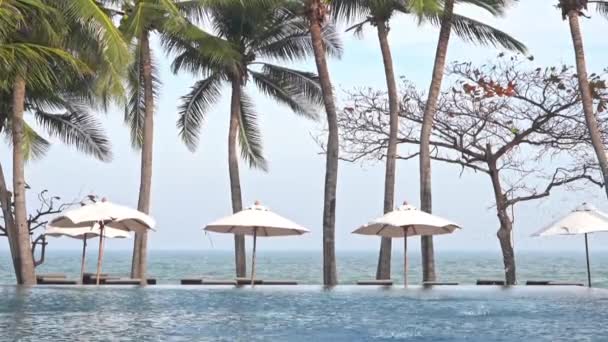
[
  {"x": 140, "y": 250},
  {"x": 384, "y": 260},
  {"x": 583, "y": 82},
  {"x": 426, "y": 200},
  {"x": 316, "y": 15},
  {"x": 235, "y": 181},
  {"x": 26, "y": 274},
  {"x": 9, "y": 223}
]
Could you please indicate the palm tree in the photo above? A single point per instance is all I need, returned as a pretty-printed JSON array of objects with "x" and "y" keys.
[
  {"x": 572, "y": 10},
  {"x": 253, "y": 30},
  {"x": 449, "y": 21},
  {"x": 315, "y": 12},
  {"x": 379, "y": 13},
  {"x": 139, "y": 19},
  {"x": 32, "y": 52}
]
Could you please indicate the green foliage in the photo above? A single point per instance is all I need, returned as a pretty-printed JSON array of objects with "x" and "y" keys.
[
  {"x": 364, "y": 12},
  {"x": 244, "y": 33},
  {"x": 60, "y": 49}
]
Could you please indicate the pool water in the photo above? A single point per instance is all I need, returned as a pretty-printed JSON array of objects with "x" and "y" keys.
[{"x": 303, "y": 313}]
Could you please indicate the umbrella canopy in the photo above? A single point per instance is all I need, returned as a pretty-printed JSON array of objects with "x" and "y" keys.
[
  {"x": 110, "y": 214},
  {"x": 256, "y": 220},
  {"x": 583, "y": 220},
  {"x": 406, "y": 221},
  {"x": 88, "y": 233},
  {"x": 103, "y": 215},
  {"x": 417, "y": 222}
]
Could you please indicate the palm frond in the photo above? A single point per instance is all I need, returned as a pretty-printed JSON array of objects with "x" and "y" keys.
[
  {"x": 39, "y": 64},
  {"x": 34, "y": 146},
  {"x": 112, "y": 44},
  {"x": 277, "y": 91},
  {"x": 77, "y": 128},
  {"x": 108, "y": 76},
  {"x": 194, "y": 106},
  {"x": 473, "y": 31},
  {"x": 306, "y": 84},
  {"x": 602, "y": 8},
  {"x": 135, "y": 109},
  {"x": 348, "y": 11},
  {"x": 198, "y": 52},
  {"x": 250, "y": 137},
  {"x": 494, "y": 7},
  {"x": 298, "y": 45},
  {"x": 357, "y": 29},
  {"x": 331, "y": 40},
  {"x": 299, "y": 90}
]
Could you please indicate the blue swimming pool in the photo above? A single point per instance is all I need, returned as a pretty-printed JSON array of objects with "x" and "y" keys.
[{"x": 303, "y": 313}]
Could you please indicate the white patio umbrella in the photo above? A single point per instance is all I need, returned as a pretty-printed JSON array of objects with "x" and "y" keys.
[
  {"x": 584, "y": 220},
  {"x": 407, "y": 221},
  {"x": 84, "y": 234},
  {"x": 256, "y": 220},
  {"x": 104, "y": 215}
]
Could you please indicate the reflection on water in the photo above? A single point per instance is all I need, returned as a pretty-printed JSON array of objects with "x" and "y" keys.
[{"x": 302, "y": 314}]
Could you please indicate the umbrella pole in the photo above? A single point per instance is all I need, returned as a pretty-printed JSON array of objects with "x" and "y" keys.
[
  {"x": 84, "y": 253},
  {"x": 255, "y": 237},
  {"x": 405, "y": 263},
  {"x": 100, "y": 254},
  {"x": 588, "y": 267}
]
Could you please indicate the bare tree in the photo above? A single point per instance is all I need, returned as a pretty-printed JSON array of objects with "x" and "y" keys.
[
  {"x": 48, "y": 205},
  {"x": 521, "y": 126}
]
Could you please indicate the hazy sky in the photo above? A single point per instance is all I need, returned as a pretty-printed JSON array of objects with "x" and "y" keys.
[{"x": 190, "y": 190}]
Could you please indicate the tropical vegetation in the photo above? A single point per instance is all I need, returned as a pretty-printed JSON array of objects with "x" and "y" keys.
[
  {"x": 254, "y": 34},
  {"x": 64, "y": 61}
]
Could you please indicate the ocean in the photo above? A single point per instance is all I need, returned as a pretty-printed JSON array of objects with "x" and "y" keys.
[{"x": 168, "y": 267}]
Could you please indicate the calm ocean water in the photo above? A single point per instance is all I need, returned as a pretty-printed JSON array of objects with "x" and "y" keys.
[{"x": 306, "y": 267}]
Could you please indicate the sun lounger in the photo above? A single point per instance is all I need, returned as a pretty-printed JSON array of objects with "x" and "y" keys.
[
  {"x": 90, "y": 278},
  {"x": 200, "y": 281},
  {"x": 384, "y": 282},
  {"x": 247, "y": 281},
  {"x": 102, "y": 280},
  {"x": 438, "y": 283},
  {"x": 55, "y": 281},
  {"x": 490, "y": 282},
  {"x": 122, "y": 281},
  {"x": 51, "y": 275},
  {"x": 220, "y": 282},
  {"x": 191, "y": 281},
  {"x": 551, "y": 283},
  {"x": 279, "y": 282}
]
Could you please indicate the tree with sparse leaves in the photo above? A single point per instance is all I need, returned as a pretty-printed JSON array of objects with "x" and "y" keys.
[
  {"x": 505, "y": 120},
  {"x": 380, "y": 13}
]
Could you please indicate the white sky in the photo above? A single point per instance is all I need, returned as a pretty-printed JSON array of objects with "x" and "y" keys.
[{"x": 190, "y": 190}]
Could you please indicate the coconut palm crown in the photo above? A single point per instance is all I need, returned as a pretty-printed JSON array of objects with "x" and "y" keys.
[{"x": 259, "y": 32}]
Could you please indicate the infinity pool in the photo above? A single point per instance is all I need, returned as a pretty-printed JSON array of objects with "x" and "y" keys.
[{"x": 303, "y": 313}]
